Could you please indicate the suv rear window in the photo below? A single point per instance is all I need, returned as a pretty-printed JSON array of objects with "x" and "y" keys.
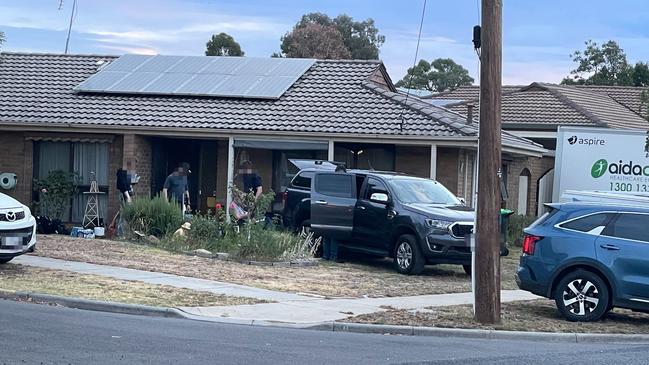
[
  {"x": 335, "y": 185},
  {"x": 588, "y": 223},
  {"x": 630, "y": 226},
  {"x": 303, "y": 180}
]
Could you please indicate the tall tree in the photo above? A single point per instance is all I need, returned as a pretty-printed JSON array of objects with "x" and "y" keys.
[
  {"x": 600, "y": 65},
  {"x": 361, "y": 38},
  {"x": 223, "y": 44},
  {"x": 316, "y": 41},
  {"x": 440, "y": 75},
  {"x": 2, "y": 38},
  {"x": 640, "y": 74}
]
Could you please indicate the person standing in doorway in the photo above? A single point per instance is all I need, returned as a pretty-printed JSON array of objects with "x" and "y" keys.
[{"x": 176, "y": 187}]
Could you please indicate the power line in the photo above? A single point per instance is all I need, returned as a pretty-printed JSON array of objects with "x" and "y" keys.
[{"x": 414, "y": 63}]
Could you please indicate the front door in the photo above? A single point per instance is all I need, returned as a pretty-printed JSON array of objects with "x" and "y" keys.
[
  {"x": 333, "y": 198},
  {"x": 371, "y": 223},
  {"x": 624, "y": 247}
]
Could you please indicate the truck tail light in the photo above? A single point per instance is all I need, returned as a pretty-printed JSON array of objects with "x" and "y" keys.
[{"x": 529, "y": 244}]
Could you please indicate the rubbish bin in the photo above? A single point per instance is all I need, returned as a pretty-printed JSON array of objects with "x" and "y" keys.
[{"x": 504, "y": 223}]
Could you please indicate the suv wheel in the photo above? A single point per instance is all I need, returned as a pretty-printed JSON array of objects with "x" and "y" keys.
[
  {"x": 4, "y": 261},
  {"x": 408, "y": 258},
  {"x": 582, "y": 296},
  {"x": 467, "y": 269}
]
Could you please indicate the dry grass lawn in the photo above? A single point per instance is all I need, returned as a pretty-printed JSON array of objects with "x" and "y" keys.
[
  {"x": 358, "y": 277},
  {"x": 45, "y": 281},
  {"x": 536, "y": 315}
]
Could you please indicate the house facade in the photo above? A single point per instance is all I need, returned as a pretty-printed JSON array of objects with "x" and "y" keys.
[
  {"x": 535, "y": 112},
  {"x": 346, "y": 111}
]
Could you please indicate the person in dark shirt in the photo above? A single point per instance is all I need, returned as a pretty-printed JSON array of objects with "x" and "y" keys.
[
  {"x": 251, "y": 180},
  {"x": 176, "y": 186}
]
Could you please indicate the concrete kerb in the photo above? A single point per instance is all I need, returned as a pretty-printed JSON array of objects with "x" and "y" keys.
[
  {"x": 335, "y": 326},
  {"x": 94, "y": 305}
]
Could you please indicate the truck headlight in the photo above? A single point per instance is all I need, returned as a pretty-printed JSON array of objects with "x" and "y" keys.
[{"x": 438, "y": 223}]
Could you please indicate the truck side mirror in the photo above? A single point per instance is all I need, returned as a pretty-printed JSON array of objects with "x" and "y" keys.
[{"x": 380, "y": 198}]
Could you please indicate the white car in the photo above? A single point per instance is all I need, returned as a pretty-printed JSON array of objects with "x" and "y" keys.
[{"x": 17, "y": 229}]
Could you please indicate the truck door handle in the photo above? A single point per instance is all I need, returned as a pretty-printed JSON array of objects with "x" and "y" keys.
[
  {"x": 361, "y": 207},
  {"x": 321, "y": 202},
  {"x": 610, "y": 247}
]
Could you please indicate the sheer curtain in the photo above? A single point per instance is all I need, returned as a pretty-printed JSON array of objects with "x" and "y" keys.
[
  {"x": 53, "y": 156},
  {"x": 89, "y": 159},
  {"x": 83, "y": 159}
]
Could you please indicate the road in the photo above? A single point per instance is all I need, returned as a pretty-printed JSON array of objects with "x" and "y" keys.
[{"x": 40, "y": 334}]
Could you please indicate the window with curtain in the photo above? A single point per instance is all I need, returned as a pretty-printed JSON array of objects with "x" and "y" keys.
[{"x": 83, "y": 159}]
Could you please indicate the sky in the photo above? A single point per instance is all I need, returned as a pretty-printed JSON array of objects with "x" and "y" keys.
[{"x": 538, "y": 36}]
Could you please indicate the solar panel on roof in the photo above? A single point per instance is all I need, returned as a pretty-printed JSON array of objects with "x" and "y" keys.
[{"x": 241, "y": 77}]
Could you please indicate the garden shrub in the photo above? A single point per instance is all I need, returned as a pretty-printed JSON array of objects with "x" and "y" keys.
[
  {"x": 156, "y": 216},
  {"x": 55, "y": 193},
  {"x": 518, "y": 222}
]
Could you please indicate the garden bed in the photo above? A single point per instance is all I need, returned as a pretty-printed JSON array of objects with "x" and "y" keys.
[
  {"x": 359, "y": 277},
  {"x": 536, "y": 316}
]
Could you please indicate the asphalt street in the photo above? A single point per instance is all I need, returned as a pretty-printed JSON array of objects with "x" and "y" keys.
[{"x": 41, "y": 334}]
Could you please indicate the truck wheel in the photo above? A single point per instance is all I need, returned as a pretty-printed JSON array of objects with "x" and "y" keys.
[
  {"x": 4, "y": 261},
  {"x": 582, "y": 296},
  {"x": 408, "y": 258}
]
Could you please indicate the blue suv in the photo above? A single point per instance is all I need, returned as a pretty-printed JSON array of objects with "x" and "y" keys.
[{"x": 589, "y": 258}]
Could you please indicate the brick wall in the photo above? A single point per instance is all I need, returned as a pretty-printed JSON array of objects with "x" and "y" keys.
[
  {"x": 114, "y": 163},
  {"x": 466, "y": 165},
  {"x": 537, "y": 168},
  {"x": 137, "y": 156},
  {"x": 17, "y": 156}
]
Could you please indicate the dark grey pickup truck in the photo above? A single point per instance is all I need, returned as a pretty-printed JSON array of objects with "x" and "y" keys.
[{"x": 415, "y": 221}]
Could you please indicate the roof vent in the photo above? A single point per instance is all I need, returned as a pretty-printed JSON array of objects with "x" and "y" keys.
[{"x": 101, "y": 64}]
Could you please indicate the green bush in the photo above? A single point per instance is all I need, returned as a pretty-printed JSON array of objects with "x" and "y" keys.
[
  {"x": 155, "y": 216},
  {"x": 55, "y": 193},
  {"x": 517, "y": 223}
]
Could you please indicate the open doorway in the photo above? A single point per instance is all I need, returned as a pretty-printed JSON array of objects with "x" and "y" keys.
[{"x": 168, "y": 153}]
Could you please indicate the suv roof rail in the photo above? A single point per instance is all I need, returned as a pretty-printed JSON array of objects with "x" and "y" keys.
[{"x": 606, "y": 197}]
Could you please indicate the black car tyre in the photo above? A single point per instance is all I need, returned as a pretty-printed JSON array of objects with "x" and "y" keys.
[
  {"x": 408, "y": 258},
  {"x": 467, "y": 269},
  {"x": 582, "y": 296},
  {"x": 5, "y": 260},
  {"x": 32, "y": 249}
]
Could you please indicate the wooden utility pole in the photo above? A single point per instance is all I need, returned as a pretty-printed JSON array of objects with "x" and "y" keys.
[{"x": 487, "y": 270}]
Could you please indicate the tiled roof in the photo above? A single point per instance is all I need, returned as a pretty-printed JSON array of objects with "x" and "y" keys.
[
  {"x": 548, "y": 106},
  {"x": 332, "y": 97},
  {"x": 628, "y": 96},
  {"x": 469, "y": 92}
]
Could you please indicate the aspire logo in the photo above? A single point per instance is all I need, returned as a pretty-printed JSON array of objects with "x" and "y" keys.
[{"x": 601, "y": 166}]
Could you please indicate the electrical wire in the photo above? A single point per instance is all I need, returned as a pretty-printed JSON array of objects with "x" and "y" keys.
[
  {"x": 414, "y": 63},
  {"x": 72, "y": 17}
]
